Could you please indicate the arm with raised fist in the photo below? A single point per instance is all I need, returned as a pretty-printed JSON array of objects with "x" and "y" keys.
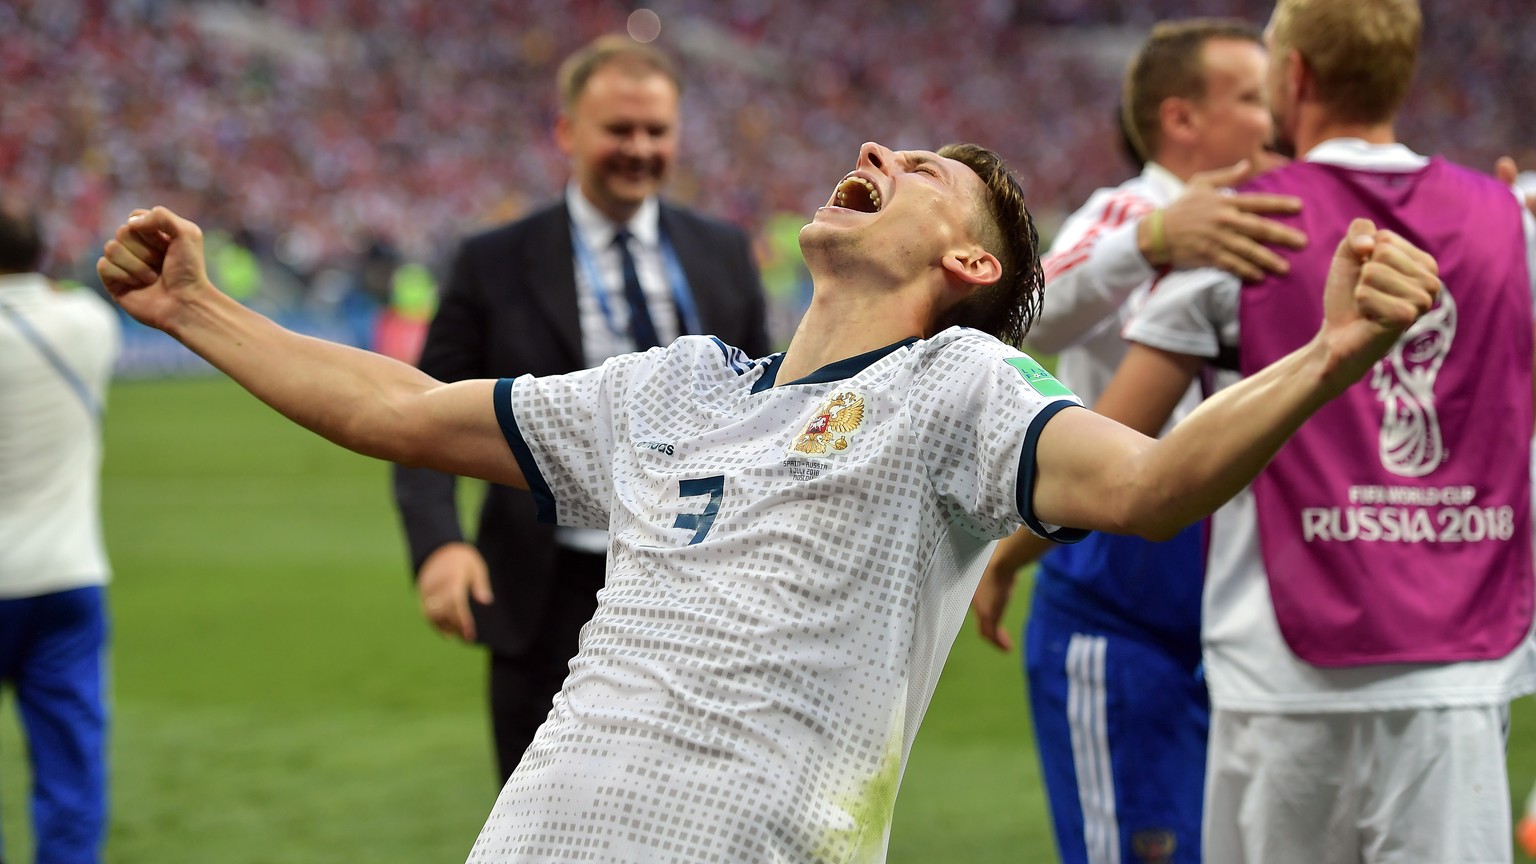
[{"x": 154, "y": 268}]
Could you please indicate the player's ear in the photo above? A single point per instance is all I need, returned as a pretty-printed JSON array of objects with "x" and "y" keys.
[
  {"x": 1176, "y": 117},
  {"x": 1299, "y": 79},
  {"x": 563, "y": 133},
  {"x": 974, "y": 266}
]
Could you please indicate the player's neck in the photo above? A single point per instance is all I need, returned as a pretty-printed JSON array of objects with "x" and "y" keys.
[
  {"x": 843, "y": 324},
  {"x": 1315, "y": 127}
]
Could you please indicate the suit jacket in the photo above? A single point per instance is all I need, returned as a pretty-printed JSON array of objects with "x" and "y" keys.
[{"x": 510, "y": 309}]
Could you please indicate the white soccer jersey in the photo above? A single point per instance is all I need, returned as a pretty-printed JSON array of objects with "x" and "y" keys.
[
  {"x": 788, "y": 568},
  {"x": 1249, "y": 666},
  {"x": 1095, "y": 276}
]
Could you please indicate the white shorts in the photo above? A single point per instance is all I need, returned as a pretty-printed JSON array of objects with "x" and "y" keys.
[{"x": 1425, "y": 786}]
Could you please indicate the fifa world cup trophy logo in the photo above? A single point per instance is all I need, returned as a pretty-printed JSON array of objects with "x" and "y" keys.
[{"x": 1404, "y": 381}]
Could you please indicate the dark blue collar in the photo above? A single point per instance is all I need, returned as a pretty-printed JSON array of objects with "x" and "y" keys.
[{"x": 837, "y": 371}]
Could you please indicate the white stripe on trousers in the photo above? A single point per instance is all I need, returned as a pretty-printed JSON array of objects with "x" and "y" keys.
[{"x": 1089, "y": 728}]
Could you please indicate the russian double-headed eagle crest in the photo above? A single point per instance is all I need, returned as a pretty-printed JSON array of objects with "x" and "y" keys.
[{"x": 828, "y": 430}]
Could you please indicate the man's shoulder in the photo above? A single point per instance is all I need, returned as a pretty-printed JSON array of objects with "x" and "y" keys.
[
  {"x": 680, "y": 218},
  {"x": 1300, "y": 173},
  {"x": 552, "y": 217},
  {"x": 1108, "y": 207},
  {"x": 1289, "y": 175},
  {"x": 964, "y": 345},
  {"x": 705, "y": 355},
  {"x": 1135, "y": 193},
  {"x": 1471, "y": 177}
]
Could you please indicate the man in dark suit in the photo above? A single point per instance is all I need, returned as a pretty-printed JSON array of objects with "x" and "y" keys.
[{"x": 606, "y": 270}]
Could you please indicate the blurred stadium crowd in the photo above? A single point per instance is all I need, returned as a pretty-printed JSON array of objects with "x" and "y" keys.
[{"x": 335, "y": 139}]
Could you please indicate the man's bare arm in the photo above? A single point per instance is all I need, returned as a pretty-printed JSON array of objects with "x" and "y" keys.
[
  {"x": 1209, "y": 226},
  {"x": 1096, "y": 473},
  {"x": 154, "y": 268},
  {"x": 1205, "y": 226},
  {"x": 1142, "y": 395}
]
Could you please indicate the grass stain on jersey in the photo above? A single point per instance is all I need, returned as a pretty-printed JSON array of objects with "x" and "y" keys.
[{"x": 870, "y": 810}]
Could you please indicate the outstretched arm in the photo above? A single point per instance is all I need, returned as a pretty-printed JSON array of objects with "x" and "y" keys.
[
  {"x": 1095, "y": 473},
  {"x": 154, "y": 268},
  {"x": 1143, "y": 394}
]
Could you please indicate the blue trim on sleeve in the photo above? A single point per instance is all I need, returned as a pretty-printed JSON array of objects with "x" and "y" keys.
[
  {"x": 1026, "y": 488},
  {"x": 536, "y": 482},
  {"x": 733, "y": 357},
  {"x": 770, "y": 374}
]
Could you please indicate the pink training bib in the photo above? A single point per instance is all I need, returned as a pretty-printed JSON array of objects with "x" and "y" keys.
[{"x": 1395, "y": 526}]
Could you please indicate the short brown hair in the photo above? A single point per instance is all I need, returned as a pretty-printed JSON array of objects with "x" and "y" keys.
[
  {"x": 1362, "y": 52},
  {"x": 21, "y": 235},
  {"x": 1171, "y": 65},
  {"x": 1008, "y": 307},
  {"x": 635, "y": 58}
]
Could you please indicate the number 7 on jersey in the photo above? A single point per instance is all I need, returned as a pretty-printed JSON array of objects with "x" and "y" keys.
[{"x": 700, "y": 523}]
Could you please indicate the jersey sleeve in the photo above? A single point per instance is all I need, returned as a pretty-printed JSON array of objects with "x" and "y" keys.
[
  {"x": 1190, "y": 312},
  {"x": 979, "y": 409},
  {"x": 562, "y": 429},
  {"x": 1093, "y": 267}
]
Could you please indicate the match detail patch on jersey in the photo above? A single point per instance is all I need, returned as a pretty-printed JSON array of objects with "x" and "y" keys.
[
  {"x": 1035, "y": 375},
  {"x": 831, "y": 428}
]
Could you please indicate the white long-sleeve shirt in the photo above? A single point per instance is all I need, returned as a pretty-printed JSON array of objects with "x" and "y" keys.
[{"x": 1095, "y": 276}]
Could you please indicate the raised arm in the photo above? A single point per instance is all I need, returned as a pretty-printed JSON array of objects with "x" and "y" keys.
[
  {"x": 154, "y": 268},
  {"x": 1096, "y": 473}
]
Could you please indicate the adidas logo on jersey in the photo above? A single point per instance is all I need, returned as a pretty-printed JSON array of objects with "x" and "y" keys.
[{"x": 656, "y": 446}]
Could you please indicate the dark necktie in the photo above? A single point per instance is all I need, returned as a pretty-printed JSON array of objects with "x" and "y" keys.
[{"x": 640, "y": 327}]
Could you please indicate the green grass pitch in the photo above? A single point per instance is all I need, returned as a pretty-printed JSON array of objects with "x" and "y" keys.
[{"x": 278, "y": 699}]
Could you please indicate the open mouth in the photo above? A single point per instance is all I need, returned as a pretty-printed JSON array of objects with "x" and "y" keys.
[{"x": 856, "y": 193}]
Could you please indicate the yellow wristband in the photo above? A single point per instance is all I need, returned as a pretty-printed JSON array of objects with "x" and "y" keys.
[{"x": 1159, "y": 242}]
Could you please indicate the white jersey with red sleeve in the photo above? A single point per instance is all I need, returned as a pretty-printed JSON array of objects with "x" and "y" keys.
[{"x": 1095, "y": 276}]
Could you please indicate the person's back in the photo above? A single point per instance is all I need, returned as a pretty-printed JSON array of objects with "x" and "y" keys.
[
  {"x": 1368, "y": 598},
  {"x": 56, "y": 354},
  {"x": 1417, "y": 479}
]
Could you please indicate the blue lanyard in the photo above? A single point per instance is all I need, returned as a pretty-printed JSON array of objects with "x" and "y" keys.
[
  {"x": 677, "y": 282},
  {"x": 92, "y": 404}
]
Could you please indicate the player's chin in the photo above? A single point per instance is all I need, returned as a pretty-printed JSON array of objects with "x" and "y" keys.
[{"x": 826, "y": 231}]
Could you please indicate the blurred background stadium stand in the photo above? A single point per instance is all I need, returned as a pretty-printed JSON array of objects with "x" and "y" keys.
[
  {"x": 327, "y": 142},
  {"x": 334, "y": 150}
]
